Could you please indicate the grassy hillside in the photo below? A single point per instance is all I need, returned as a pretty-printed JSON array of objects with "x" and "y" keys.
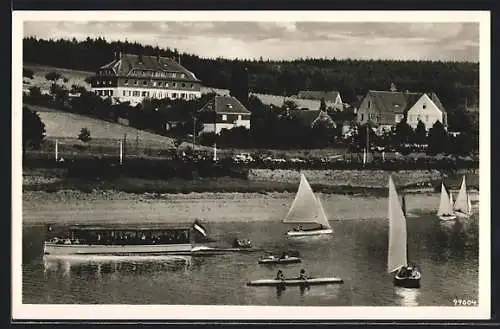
[{"x": 75, "y": 77}]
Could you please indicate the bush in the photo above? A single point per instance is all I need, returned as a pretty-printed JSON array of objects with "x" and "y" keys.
[{"x": 84, "y": 135}]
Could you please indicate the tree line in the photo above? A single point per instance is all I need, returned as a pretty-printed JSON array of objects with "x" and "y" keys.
[{"x": 454, "y": 82}]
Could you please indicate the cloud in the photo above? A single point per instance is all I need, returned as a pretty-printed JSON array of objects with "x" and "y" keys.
[{"x": 284, "y": 40}]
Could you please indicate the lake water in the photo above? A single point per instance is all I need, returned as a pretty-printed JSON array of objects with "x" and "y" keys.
[{"x": 357, "y": 252}]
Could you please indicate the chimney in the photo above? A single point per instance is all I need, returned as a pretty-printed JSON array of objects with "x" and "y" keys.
[
  {"x": 179, "y": 61},
  {"x": 393, "y": 87}
]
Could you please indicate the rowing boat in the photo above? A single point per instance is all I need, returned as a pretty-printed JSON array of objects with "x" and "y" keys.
[
  {"x": 296, "y": 282},
  {"x": 277, "y": 260}
]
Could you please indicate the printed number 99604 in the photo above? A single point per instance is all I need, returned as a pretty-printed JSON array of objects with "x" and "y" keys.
[{"x": 464, "y": 302}]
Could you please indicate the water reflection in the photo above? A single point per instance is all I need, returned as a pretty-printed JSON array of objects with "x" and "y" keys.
[
  {"x": 97, "y": 266},
  {"x": 408, "y": 297}
]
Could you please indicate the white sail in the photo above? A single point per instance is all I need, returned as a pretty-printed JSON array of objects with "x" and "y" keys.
[
  {"x": 306, "y": 208},
  {"x": 445, "y": 207},
  {"x": 451, "y": 199},
  {"x": 323, "y": 220},
  {"x": 462, "y": 201},
  {"x": 397, "y": 256}
]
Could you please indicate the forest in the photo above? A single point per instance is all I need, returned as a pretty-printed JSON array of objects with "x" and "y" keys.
[{"x": 455, "y": 82}]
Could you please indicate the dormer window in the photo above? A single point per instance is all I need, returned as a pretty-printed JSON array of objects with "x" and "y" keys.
[
  {"x": 125, "y": 82},
  {"x": 229, "y": 106},
  {"x": 224, "y": 117},
  {"x": 424, "y": 106}
]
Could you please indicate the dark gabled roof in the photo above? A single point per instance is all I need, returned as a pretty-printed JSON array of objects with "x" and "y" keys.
[
  {"x": 400, "y": 102},
  {"x": 329, "y": 96},
  {"x": 124, "y": 65},
  {"x": 436, "y": 101},
  {"x": 393, "y": 101},
  {"x": 225, "y": 104}
]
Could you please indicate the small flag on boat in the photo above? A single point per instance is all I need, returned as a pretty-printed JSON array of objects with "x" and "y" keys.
[{"x": 200, "y": 228}]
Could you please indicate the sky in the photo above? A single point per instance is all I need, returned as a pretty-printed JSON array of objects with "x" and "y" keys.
[{"x": 443, "y": 41}]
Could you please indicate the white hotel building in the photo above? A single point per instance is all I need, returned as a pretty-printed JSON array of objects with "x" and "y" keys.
[{"x": 131, "y": 78}]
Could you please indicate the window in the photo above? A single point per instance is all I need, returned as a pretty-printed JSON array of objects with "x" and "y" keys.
[
  {"x": 239, "y": 117},
  {"x": 224, "y": 117},
  {"x": 111, "y": 93},
  {"x": 97, "y": 82},
  {"x": 182, "y": 75},
  {"x": 154, "y": 83},
  {"x": 174, "y": 84},
  {"x": 145, "y": 83},
  {"x": 136, "y": 93},
  {"x": 369, "y": 104},
  {"x": 362, "y": 117},
  {"x": 124, "y": 93},
  {"x": 110, "y": 82},
  {"x": 424, "y": 106},
  {"x": 125, "y": 82},
  {"x": 166, "y": 84},
  {"x": 192, "y": 86},
  {"x": 183, "y": 95},
  {"x": 145, "y": 94},
  {"x": 174, "y": 95},
  {"x": 160, "y": 95},
  {"x": 136, "y": 82},
  {"x": 183, "y": 85}
]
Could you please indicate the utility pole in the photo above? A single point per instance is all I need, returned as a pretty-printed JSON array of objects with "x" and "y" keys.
[{"x": 194, "y": 129}]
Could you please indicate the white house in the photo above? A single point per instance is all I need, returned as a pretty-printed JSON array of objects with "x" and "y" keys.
[
  {"x": 225, "y": 112},
  {"x": 427, "y": 109}
]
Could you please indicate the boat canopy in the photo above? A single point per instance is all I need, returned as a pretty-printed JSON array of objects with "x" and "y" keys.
[{"x": 111, "y": 228}]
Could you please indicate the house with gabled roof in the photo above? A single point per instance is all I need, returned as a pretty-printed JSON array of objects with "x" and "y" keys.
[
  {"x": 384, "y": 109},
  {"x": 131, "y": 78},
  {"x": 224, "y": 112},
  {"x": 331, "y": 98}
]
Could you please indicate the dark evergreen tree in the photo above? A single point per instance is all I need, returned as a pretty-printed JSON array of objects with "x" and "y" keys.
[
  {"x": 420, "y": 133},
  {"x": 437, "y": 139},
  {"x": 33, "y": 129}
]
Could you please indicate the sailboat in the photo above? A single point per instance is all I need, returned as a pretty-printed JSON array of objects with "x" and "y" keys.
[
  {"x": 463, "y": 207},
  {"x": 397, "y": 259},
  {"x": 306, "y": 211},
  {"x": 445, "y": 210}
]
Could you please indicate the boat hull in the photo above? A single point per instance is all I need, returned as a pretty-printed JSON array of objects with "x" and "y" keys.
[
  {"x": 462, "y": 215},
  {"x": 83, "y": 249},
  {"x": 406, "y": 282},
  {"x": 296, "y": 282},
  {"x": 289, "y": 260},
  {"x": 447, "y": 217},
  {"x": 311, "y": 232}
]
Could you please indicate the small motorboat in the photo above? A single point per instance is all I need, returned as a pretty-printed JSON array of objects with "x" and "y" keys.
[
  {"x": 242, "y": 243},
  {"x": 408, "y": 277},
  {"x": 296, "y": 282},
  {"x": 271, "y": 259}
]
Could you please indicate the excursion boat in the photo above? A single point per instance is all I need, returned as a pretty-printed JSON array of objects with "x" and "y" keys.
[
  {"x": 397, "y": 259},
  {"x": 128, "y": 240},
  {"x": 445, "y": 210},
  {"x": 463, "y": 206},
  {"x": 307, "y": 212}
]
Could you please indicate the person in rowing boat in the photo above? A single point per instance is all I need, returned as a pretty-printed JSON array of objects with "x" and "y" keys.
[
  {"x": 280, "y": 275},
  {"x": 303, "y": 275},
  {"x": 284, "y": 255}
]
